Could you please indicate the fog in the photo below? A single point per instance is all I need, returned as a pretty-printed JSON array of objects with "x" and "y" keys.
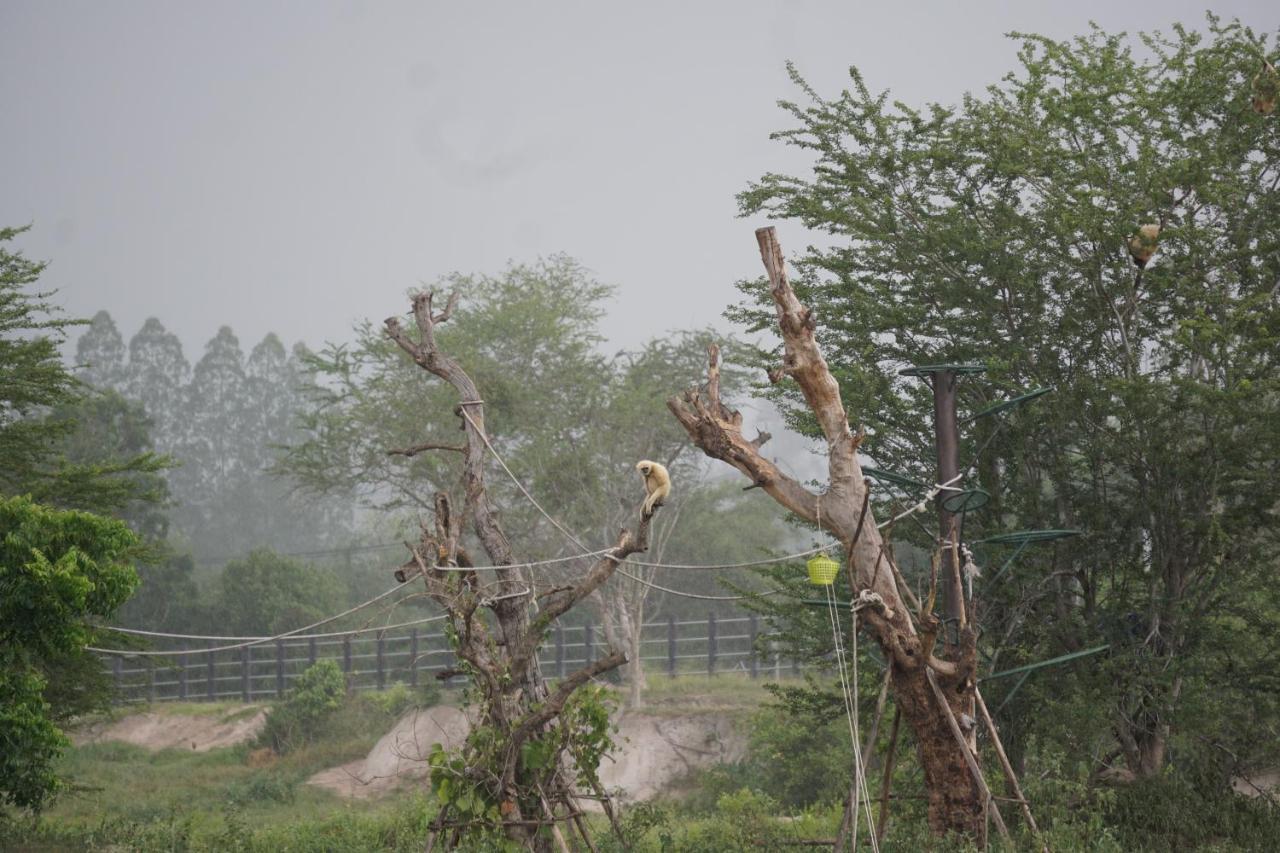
[{"x": 291, "y": 167}]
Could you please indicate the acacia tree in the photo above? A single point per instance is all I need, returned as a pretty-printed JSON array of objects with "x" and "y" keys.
[
  {"x": 1000, "y": 232},
  {"x": 532, "y": 745}
]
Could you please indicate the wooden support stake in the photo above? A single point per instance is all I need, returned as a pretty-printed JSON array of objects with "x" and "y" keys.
[
  {"x": 989, "y": 803},
  {"x": 851, "y": 804},
  {"x": 886, "y": 779},
  {"x": 1007, "y": 767}
]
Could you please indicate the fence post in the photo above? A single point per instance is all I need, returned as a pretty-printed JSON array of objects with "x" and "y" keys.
[
  {"x": 279, "y": 668},
  {"x": 382, "y": 674},
  {"x": 346, "y": 654},
  {"x": 588, "y": 641},
  {"x": 209, "y": 673},
  {"x": 671, "y": 646},
  {"x": 711, "y": 644},
  {"x": 116, "y": 674},
  {"x": 413, "y": 657},
  {"x": 311, "y": 652},
  {"x": 777, "y": 660},
  {"x": 182, "y": 677},
  {"x": 151, "y": 679},
  {"x": 559, "y": 650},
  {"x": 755, "y": 657},
  {"x": 246, "y": 691}
]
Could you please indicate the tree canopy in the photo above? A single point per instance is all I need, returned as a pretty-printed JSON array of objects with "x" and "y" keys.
[{"x": 1001, "y": 232}]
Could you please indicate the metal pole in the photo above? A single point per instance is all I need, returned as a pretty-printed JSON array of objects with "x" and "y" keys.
[
  {"x": 588, "y": 641},
  {"x": 245, "y": 654},
  {"x": 279, "y": 668},
  {"x": 209, "y": 672},
  {"x": 671, "y": 646},
  {"x": 413, "y": 658},
  {"x": 382, "y": 670},
  {"x": 559, "y": 650},
  {"x": 755, "y": 657},
  {"x": 711, "y": 644},
  {"x": 182, "y": 677},
  {"x": 947, "y": 434}
]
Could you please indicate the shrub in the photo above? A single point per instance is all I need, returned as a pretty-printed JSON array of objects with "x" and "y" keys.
[{"x": 296, "y": 720}]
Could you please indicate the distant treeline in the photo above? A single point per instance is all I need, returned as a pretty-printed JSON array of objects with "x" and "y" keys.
[{"x": 221, "y": 421}]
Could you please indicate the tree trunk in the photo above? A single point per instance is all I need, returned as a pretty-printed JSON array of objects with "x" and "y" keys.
[
  {"x": 955, "y": 801},
  {"x": 516, "y": 706}
]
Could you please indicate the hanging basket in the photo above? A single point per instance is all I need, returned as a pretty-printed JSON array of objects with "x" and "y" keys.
[{"x": 822, "y": 570}]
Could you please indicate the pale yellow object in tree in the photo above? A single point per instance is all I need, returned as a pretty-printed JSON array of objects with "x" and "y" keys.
[
  {"x": 1266, "y": 87},
  {"x": 1143, "y": 244}
]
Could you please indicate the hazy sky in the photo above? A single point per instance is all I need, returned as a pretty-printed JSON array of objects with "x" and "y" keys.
[{"x": 295, "y": 166}]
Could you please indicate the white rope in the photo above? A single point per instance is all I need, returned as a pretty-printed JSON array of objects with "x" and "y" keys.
[
  {"x": 850, "y": 694},
  {"x": 923, "y": 505},
  {"x": 529, "y": 565},
  {"x": 574, "y": 539},
  {"x": 286, "y": 634},
  {"x": 153, "y": 653}
]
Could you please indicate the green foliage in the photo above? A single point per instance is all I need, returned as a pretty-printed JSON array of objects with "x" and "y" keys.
[
  {"x": 263, "y": 787},
  {"x": 530, "y": 339},
  {"x": 1194, "y": 809},
  {"x": 400, "y": 697},
  {"x": 996, "y": 231},
  {"x": 798, "y": 761},
  {"x": 58, "y": 570},
  {"x": 269, "y": 593},
  {"x": 296, "y": 720},
  {"x": 32, "y": 376}
]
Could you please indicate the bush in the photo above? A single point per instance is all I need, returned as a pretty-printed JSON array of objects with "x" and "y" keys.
[
  {"x": 790, "y": 759},
  {"x": 400, "y": 697},
  {"x": 296, "y": 720}
]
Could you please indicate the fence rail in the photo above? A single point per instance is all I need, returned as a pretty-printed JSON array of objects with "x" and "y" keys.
[{"x": 375, "y": 661}]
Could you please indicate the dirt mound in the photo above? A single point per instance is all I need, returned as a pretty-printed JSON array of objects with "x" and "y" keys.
[
  {"x": 399, "y": 755},
  {"x": 657, "y": 751},
  {"x": 653, "y": 752},
  {"x": 198, "y": 731}
]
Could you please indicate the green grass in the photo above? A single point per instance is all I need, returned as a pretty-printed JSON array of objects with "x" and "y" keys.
[
  {"x": 125, "y": 797},
  {"x": 703, "y": 694}
]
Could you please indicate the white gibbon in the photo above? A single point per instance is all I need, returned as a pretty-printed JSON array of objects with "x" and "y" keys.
[
  {"x": 657, "y": 484},
  {"x": 1143, "y": 244}
]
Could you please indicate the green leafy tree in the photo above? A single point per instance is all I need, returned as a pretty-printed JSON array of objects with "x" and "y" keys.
[
  {"x": 59, "y": 572},
  {"x": 268, "y": 593},
  {"x": 32, "y": 376},
  {"x": 1000, "y": 231},
  {"x": 571, "y": 421}
]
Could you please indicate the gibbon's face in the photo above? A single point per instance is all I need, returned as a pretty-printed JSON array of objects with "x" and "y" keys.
[{"x": 646, "y": 470}]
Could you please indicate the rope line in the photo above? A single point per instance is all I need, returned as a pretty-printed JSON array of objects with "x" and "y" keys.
[
  {"x": 850, "y": 697},
  {"x": 281, "y": 636},
  {"x": 153, "y": 653},
  {"x": 575, "y": 540}
]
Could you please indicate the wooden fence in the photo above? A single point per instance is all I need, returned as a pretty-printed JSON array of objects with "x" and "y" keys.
[{"x": 375, "y": 661}]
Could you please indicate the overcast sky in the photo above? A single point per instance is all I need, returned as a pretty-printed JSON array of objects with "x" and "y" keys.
[{"x": 292, "y": 167}]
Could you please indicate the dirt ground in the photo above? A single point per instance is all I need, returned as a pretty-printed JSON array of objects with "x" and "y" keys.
[
  {"x": 654, "y": 752},
  {"x": 197, "y": 731}
]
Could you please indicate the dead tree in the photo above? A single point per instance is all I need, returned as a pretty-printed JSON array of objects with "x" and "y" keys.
[
  {"x": 934, "y": 695},
  {"x": 519, "y": 714}
]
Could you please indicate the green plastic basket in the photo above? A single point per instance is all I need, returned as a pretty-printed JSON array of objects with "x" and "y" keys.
[{"x": 822, "y": 570}]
